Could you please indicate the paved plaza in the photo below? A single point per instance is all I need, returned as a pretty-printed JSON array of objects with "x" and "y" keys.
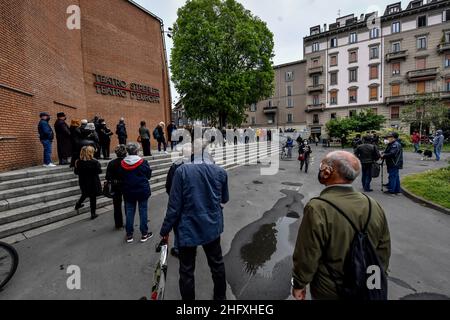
[{"x": 261, "y": 224}]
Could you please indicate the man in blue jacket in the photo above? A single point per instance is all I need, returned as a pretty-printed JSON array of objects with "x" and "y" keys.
[
  {"x": 46, "y": 136},
  {"x": 393, "y": 156},
  {"x": 195, "y": 213},
  {"x": 438, "y": 143},
  {"x": 135, "y": 176}
]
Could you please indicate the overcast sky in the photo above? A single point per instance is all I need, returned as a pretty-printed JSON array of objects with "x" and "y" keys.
[{"x": 289, "y": 20}]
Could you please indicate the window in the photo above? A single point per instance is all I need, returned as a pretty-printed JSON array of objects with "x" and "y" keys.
[
  {"x": 289, "y": 91},
  {"x": 315, "y": 62},
  {"x": 396, "y": 27},
  {"x": 333, "y": 116},
  {"x": 353, "y": 56},
  {"x": 253, "y": 107},
  {"x": 353, "y": 38},
  {"x": 316, "y": 100},
  {"x": 316, "y": 47},
  {"x": 395, "y": 90},
  {"x": 373, "y": 72},
  {"x": 373, "y": 93},
  {"x": 290, "y": 103},
  {"x": 447, "y": 36},
  {"x": 316, "y": 80},
  {"x": 289, "y": 76},
  {"x": 333, "y": 61},
  {"x": 333, "y": 42},
  {"x": 253, "y": 121},
  {"x": 374, "y": 52},
  {"x": 421, "y": 63},
  {"x": 333, "y": 98},
  {"x": 333, "y": 78},
  {"x": 396, "y": 47},
  {"x": 374, "y": 33},
  {"x": 352, "y": 113},
  {"x": 395, "y": 113},
  {"x": 421, "y": 43},
  {"x": 422, "y": 21},
  {"x": 447, "y": 60},
  {"x": 353, "y": 95},
  {"x": 375, "y": 110},
  {"x": 353, "y": 75},
  {"x": 421, "y": 87},
  {"x": 446, "y": 15},
  {"x": 396, "y": 69},
  {"x": 447, "y": 85},
  {"x": 289, "y": 118},
  {"x": 315, "y": 118}
]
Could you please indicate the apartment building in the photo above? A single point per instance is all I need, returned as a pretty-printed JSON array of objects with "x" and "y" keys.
[
  {"x": 417, "y": 53},
  {"x": 286, "y": 108},
  {"x": 376, "y": 62}
]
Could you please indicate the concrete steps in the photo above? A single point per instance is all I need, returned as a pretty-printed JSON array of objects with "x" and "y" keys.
[{"x": 39, "y": 198}]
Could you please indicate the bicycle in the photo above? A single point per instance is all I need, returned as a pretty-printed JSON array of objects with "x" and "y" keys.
[
  {"x": 9, "y": 260},
  {"x": 160, "y": 275}
]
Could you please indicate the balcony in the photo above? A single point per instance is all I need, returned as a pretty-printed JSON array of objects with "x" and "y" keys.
[
  {"x": 317, "y": 88},
  {"x": 270, "y": 109},
  {"x": 444, "y": 47},
  {"x": 315, "y": 107},
  {"x": 410, "y": 98},
  {"x": 422, "y": 75},
  {"x": 315, "y": 70},
  {"x": 403, "y": 54}
]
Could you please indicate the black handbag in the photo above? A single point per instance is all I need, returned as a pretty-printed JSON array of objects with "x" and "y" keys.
[
  {"x": 376, "y": 170},
  {"x": 108, "y": 190}
]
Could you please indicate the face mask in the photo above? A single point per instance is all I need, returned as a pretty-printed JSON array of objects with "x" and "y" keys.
[{"x": 386, "y": 141}]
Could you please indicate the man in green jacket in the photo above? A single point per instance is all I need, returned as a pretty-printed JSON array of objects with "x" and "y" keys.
[{"x": 325, "y": 236}]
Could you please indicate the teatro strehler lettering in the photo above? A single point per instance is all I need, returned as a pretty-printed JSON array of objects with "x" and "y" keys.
[{"x": 114, "y": 87}]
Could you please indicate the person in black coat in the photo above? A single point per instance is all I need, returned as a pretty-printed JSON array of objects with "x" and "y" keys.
[
  {"x": 88, "y": 170},
  {"x": 368, "y": 154},
  {"x": 104, "y": 135},
  {"x": 121, "y": 131},
  {"x": 64, "y": 145},
  {"x": 75, "y": 138},
  {"x": 114, "y": 176},
  {"x": 304, "y": 152}
]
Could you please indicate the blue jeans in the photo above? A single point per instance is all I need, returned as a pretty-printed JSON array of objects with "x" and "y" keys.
[
  {"x": 47, "y": 144},
  {"x": 366, "y": 176},
  {"x": 416, "y": 147},
  {"x": 130, "y": 211},
  {"x": 437, "y": 152},
  {"x": 394, "y": 180}
]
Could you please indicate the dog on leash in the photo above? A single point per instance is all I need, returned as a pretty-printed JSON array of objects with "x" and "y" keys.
[{"x": 426, "y": 155}]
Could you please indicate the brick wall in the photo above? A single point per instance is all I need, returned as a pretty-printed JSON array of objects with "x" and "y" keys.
[{"x": 46, "y": 67}]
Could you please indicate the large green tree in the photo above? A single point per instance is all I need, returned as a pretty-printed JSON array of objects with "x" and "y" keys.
[{"x": 221, "y": 60}]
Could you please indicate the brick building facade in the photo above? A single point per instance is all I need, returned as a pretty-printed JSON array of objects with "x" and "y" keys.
[{"x": 44, "y": 66}]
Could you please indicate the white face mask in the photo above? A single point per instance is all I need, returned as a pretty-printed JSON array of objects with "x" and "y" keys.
[{"x": 386, "y": 141}]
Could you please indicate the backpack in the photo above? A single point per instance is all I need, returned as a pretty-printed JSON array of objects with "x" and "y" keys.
[
  {"x": 353, "y": 285},
  {"x": 156, "y": 134}
]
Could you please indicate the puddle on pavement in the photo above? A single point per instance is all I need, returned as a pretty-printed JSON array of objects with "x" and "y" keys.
[
  {"x": 259, "y": 264},
  {"x": 425, "y": 296}
]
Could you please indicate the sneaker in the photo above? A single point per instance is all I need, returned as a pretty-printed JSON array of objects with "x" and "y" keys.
[
  {"x": 129, "y": 239},
  {"x": 51, "y": 165},
  {"x": 147, "y": 236}
]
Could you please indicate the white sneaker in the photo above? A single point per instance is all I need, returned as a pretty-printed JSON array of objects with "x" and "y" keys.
[{"x": 51, "y": 165}]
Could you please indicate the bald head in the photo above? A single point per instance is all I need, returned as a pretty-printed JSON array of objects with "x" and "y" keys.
[{"x": 345, "y": 165}]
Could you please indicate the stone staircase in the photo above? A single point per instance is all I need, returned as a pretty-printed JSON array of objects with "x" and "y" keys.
[{"x": 38, "y": 199}]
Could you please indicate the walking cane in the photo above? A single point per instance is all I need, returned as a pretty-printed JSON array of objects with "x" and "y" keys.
[{"x": 382, "y": 175}]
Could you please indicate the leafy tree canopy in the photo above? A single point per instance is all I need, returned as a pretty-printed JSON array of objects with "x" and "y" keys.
[
  {"x": 361, "y": 122},
  {"x": 221, "y": 60}
]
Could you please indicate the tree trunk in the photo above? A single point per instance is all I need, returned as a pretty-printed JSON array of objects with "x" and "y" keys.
[{"x": 222, "y": 120}]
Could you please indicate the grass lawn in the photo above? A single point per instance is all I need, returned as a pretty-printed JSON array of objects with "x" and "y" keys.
[{"x": 433, "y": 185}]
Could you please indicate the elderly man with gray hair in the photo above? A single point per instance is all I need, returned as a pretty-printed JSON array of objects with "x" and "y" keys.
[{"x": 327, "y": 229}]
